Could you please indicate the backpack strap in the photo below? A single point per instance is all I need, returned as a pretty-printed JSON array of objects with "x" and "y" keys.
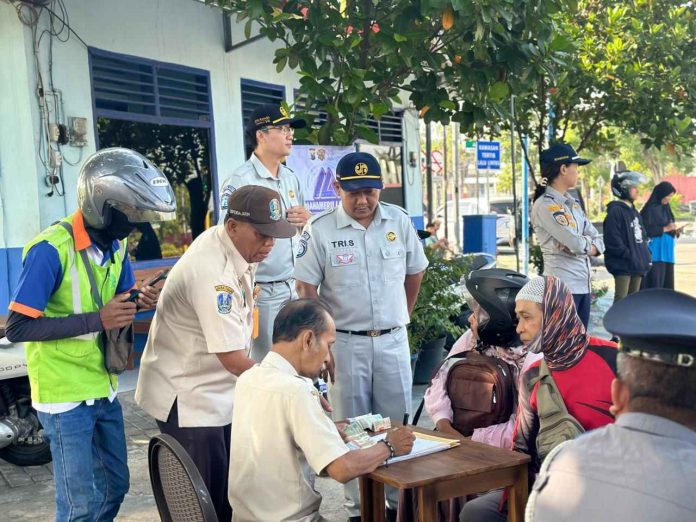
[{"x": 550, "y": 403}]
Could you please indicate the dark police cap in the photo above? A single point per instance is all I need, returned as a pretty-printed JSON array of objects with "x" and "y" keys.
[
  {"x": 359, "y": 171},
  {"x": 561, "y": 154},
  {"x": 656, "y": 324},
  {"x": 273, "y": 115}
]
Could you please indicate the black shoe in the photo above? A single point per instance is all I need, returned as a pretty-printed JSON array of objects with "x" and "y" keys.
[
  {"x": 353, "y": 519},
  {"x": 390, "y": 515}
]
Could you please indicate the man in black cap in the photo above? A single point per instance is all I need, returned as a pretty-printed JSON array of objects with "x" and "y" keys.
[
  {"x": 566, "y": 237},
  {"x": 643, "y": 467},
  {"x": 365, "y": 259},
  {"x": 270, "y": 132},
  {"x": 201, "y": 331}
]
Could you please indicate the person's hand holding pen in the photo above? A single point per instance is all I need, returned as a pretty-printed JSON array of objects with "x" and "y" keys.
[{"x": 401, "y": 439}]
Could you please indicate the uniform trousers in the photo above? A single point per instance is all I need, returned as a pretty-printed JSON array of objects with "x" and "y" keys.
[
  {"x": 209, "y": 448},
  {"x": 582, "y": 307},
  {"x": 272, "y": 298},
  {"x": 373, "y": 374}
]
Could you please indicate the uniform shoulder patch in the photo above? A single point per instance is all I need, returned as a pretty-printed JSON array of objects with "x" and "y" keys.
[
  {"x": 224, "y": 298},
  {"x": 302, "y": 247},
  {"x": 561, "y": 218},
  {"x": 225, "y": 196}
]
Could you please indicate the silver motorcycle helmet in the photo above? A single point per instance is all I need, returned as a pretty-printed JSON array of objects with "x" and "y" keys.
[
  {"x": 622, "y": 182},
  {"x": 127, "y": 181}
]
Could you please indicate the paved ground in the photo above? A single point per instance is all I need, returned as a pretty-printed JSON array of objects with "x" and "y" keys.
[{"x": 27, "y": 493}]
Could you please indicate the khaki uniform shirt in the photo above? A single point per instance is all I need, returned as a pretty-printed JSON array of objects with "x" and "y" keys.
[
  {"x": 640, "y": 469},
  {"x": 281, "y": 438},
  {"x": 280, "y": 263},
  {"x": 361, "y": 271},
  {"x": 205, "y": 308},
  {"x": 565, "y": 236}
]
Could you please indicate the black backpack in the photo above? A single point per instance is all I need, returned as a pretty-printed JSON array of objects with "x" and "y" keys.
[{"x": 481, "y": 390}]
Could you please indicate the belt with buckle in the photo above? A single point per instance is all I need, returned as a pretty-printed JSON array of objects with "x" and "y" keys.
[
  {"x": 369, "y": 333},
  {"x": 272, "y": 282}
]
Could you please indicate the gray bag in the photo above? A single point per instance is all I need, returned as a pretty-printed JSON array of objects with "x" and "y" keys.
[
  {"x": 556, "y": 425},
  {"x": 116, "y": 343}
]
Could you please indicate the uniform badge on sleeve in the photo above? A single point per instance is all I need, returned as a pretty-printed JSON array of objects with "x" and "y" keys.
[
  {"x": 561, "y": 218},
  {"x": 225, "y": 196},
  {"x": 224, "y": 298},
  {"x": 302, "y": 247}
]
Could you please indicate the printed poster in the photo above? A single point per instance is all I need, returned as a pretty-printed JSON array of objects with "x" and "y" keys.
[{"x": 315, "y": 167}]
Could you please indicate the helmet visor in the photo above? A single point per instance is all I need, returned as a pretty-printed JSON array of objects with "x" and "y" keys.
[{"x": 140, "y": 215}]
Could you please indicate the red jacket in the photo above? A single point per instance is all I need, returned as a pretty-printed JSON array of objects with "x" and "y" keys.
[{"x": 586, "y": 391}]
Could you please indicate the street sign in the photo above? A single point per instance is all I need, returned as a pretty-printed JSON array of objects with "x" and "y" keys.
[
  {"x": 438, "y": 161},
  {"x": 470, "y": 144},
  {"x": 488, "y": 155}
]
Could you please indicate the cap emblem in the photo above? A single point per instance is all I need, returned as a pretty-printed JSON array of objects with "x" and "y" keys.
[
  {"x": 284, "y": 111},
  {"x": 274, "y": 207},
  {"x": 361, "y": 169}
]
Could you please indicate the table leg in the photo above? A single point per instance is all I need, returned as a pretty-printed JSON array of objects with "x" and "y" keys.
[
  {"x": 427, "y": 504},
  {"x": 371, "y": 500},
  {"x": 517, "y": 496}
]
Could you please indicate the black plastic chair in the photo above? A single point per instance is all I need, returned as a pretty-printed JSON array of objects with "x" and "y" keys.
[{"x": 180, "y": 493}]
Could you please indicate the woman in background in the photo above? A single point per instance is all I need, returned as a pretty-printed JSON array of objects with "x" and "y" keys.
[{"x": 661, "y": 229}]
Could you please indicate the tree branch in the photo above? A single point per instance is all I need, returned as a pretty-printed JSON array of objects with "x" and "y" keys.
[{"x": 591, "y": 131}]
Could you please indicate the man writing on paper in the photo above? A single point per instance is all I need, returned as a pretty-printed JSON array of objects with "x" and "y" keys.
[{"x": 280, "y": 435}]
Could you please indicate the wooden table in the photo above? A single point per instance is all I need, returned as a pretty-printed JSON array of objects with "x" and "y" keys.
[{"x": 469, "y": 468}]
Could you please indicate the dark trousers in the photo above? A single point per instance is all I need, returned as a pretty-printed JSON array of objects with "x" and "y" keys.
[
  {"x": 582, "y": 307},
  {"x": 209, "y": 448},
  {"x": 661, "y": 275},
  {"x": 625, "y": 285}
]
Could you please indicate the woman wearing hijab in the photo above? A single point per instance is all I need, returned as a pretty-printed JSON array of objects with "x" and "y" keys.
[
  {"x": 437, "y": 402},
  {"x": 659, "y": 224},
  {"x": 581, "y": 366}
]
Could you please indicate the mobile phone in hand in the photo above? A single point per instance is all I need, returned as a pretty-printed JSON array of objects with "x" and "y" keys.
[{"x": 135, "y": 293}]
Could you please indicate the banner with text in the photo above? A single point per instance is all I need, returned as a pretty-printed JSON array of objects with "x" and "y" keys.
[{"x": 315, "y": 166}]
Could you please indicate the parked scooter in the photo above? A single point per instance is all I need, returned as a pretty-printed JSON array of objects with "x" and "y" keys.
[{"x": 21, "y": 434}]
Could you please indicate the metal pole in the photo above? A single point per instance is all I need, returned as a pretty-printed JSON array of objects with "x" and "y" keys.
[
  {"x": 478, "y": 189},
  {"x": 429, "y": 170},
  {"x": 525, "y": 209},
  {"x": 444, "y": 178},
  {"x": 457, "y": 221},
  {"x": 515, "y": 217}
]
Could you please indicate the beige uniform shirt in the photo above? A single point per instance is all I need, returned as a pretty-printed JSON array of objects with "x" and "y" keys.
[
  {"x": 280, "y": 438},
  {"x": 205, "y": 308}
]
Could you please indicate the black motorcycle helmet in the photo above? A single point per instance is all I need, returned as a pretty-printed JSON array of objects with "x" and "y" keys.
[
  {"x": 622, "y": 182},
  {"x": 494, "y": 290}
]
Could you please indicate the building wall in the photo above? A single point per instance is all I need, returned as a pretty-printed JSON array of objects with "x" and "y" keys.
[{"x": 183, "y": 32}]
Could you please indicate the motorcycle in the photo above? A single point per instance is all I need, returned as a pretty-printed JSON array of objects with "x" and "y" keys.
[{"x": 21, "y": 434}]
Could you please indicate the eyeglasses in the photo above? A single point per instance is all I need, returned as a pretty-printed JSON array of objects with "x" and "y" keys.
[{"x": 285, "y": 129}]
